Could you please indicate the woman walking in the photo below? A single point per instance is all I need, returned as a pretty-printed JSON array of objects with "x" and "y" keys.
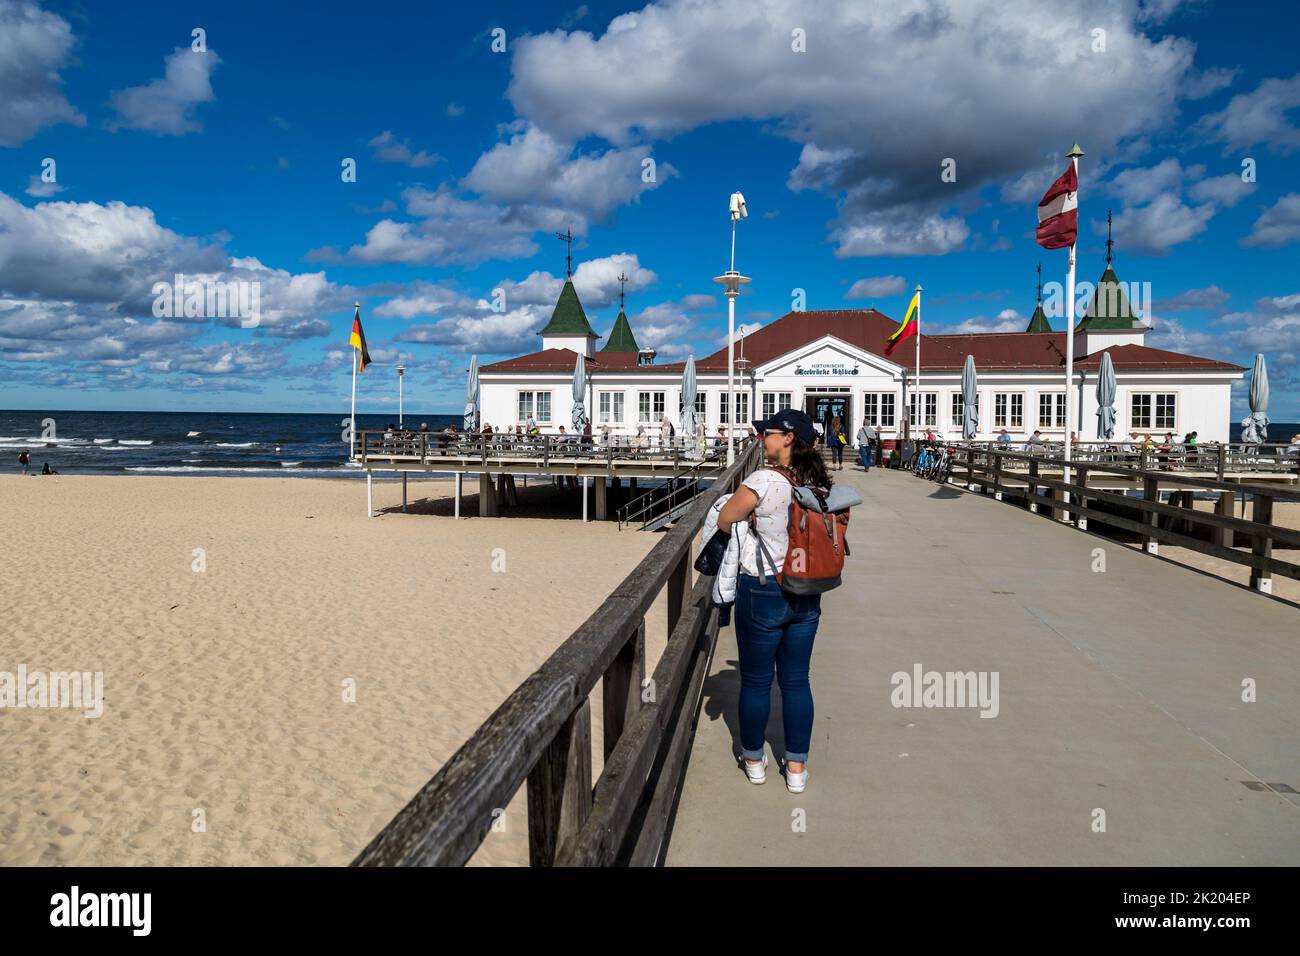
[
  {"x": 774, "y": 629},
  {"x": 837, "y": 440}
]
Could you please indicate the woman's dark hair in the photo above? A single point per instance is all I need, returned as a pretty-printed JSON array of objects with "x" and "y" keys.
[{"x": 808, "y": 465}]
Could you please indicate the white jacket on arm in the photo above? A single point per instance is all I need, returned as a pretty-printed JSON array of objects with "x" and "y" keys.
[{"x": 724, "y": 583}]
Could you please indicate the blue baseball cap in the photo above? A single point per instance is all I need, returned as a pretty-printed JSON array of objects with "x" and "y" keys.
[{"x": 789, "y": 420}]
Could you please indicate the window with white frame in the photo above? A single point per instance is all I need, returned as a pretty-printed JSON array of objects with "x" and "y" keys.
[
  {"x": 741, "y": 403},
  {"x": 1051, "y": 409},
  {"x": 1154, "y": 410},
  {"x": 931, "y": 406},
  {"x": 878, "y": 409},
  {"x": 611, "y": 407},
  {"x": 1008, "y": 410},
  {"x": 650, "y": 406},
  {"x": 535, "y": 405},
  {"x": 958, "y": 410},
  {"x": 701, "y": 406},
  {"x": 772, "y": 401}
]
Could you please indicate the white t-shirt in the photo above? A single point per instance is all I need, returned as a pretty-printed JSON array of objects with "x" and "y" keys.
[{"x": 772, "y": 516}]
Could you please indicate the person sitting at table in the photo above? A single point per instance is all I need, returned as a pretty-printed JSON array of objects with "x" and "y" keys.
[
  {"x": 1004, "y": 437},
  {"x": 1036, "y": 438},
  {"x": 640, "y": 442}
]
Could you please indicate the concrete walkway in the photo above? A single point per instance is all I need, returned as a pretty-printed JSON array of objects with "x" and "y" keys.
[{"x": 1119, "y": 691}]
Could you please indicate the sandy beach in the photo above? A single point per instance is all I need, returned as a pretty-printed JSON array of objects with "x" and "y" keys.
[{"x": 224, "y": 686}]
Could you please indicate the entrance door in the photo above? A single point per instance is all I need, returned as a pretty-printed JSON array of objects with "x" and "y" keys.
[{"x": 822, "y": 408}]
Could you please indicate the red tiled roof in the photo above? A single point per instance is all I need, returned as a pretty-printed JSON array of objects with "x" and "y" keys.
[{"x": 869, "y": 330}]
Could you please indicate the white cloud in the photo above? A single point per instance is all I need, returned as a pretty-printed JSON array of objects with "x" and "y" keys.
[
  {"x": 34, "y": 46},
  {"x": 871, "y": 135},
  {"x": 1193, "y": 299},
  {"x": 1226, "y": 190},
  {"x": 1155, "y": 228},
  {"x": 534, "y": 167},
  {"x": 389, "y": 149},
  {"x": 876, "y": 287},
  {"x": 40, "y": 189},
  {"x": 1278, "y": 225},
  {"x": 167, "y": 105},
  {"x": 1259, "y": 116}
]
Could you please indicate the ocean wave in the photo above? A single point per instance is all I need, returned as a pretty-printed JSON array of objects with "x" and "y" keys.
[
  {"x": 193, "y": 434},
  {"x": 226, "y": 444},
  {"x": 105, "y": 441},
  {"x": 126, "y": 441}
]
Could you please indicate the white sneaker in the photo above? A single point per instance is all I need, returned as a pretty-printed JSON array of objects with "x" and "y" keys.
[
  {"x": 795, "y": 782},
  {"x": 757, "y": 773}
]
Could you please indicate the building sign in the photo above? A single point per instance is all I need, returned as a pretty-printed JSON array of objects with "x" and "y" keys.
[{"x": 826, "y": 368}]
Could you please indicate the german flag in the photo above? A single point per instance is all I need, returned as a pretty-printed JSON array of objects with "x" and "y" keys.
[
  {"x": 908, "y": 328},
  {"x": 358, "y": 340}
]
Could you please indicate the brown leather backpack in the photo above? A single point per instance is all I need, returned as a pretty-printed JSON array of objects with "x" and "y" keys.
[{"x": 814, "y": 560}]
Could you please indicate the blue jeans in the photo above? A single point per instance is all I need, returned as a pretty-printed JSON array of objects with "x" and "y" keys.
[
  {"x": 865, "y": 455},
  {"x": 775, "y": 630}
]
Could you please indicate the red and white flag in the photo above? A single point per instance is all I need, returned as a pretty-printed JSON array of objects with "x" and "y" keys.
[{"x": 1058, "y": 213}]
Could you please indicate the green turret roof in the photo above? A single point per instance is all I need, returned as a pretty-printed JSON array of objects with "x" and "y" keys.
[
  {"x": 1039, "y": 322},
  {"x": 1109, "y": 308},
  {"x": 568, "y": 317},
  {"x": 620, "y": 336}
]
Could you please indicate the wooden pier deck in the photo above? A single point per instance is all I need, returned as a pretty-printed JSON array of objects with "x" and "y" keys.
[{"x": 1120, "y": 691}]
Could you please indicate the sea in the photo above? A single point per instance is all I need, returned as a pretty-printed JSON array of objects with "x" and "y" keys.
[{"x": 190, "y": 443}]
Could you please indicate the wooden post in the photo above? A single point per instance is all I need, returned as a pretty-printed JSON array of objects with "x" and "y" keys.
[
  {"x": 997, "y": 475},
  {"x": 600, "y": 498},
  {"x": 403, "y": 491},
  {"x": 1223, "y": 508},
  {"x": 584, "y": 497},
  {"x": 1080, "y": 499},
  {"x": 370, "y": 493},
  {"x": 1223, "y": 461},
  {"x": 1032, "y": 486},
  {"x": 559, "y": 788},
  {"x": 460, "y": 481},
  {"x": 424, "y": 448},
  {"x": 1262, "y": 514},
  {"x": 1150, "y": 492},
  {"x": 621, "y": 687},
  {"x": 486, "y": 497}
]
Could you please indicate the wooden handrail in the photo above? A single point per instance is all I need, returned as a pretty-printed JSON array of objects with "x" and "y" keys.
[
  {"x": 539, "y": 733},
  {"x": 985, "y": 466}
]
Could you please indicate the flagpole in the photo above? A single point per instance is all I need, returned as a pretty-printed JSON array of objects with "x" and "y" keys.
[
  {"x": 920, "y": 406},
  {"x": 352, "y": 422},
  {"x": 1074, "y": 154}
]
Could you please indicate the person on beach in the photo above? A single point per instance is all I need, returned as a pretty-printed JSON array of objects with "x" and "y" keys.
[
  {"x": 837, "y": 440},
  {"x": 775, "y": 629},
  {"x": 25, "y": 460},
  {"x": 47, "y": 470}
]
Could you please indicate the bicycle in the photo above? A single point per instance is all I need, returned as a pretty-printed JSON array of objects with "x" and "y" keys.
[{"x": 943, "y": 469}]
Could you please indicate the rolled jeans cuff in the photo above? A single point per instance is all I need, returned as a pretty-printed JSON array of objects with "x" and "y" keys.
[
  {"x": 751, "y": 754},
  {"x": 797, "y": 758}
]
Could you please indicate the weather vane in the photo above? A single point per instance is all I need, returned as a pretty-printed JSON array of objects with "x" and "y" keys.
[
  {"x": 1040, "y": 283},
  {"x": 567, "y": 237},
  {"x": 622, "y": 281},
  {"x": 1109, "y": 241}
]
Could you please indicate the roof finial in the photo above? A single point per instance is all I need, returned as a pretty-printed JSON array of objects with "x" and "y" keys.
[
  {"x": 1040, "y": 283},
  {"x": 622, "y": 281},
  {"x": 567, "y": 237},
  {"x": 1109, "y": 241}
]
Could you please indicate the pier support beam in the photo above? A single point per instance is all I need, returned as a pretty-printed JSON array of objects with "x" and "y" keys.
[
  {"x": 403, "y": 492},
  {"x": 1262, "y": 544},
  {"x": 585, "y": 480},
  {"x": 460, "y": 486},
  {"x": 370, "y": 494},
  {"x": 1223, "y": 508},
  {"x": 487, "y": 499},
  {"x": 600, "y": 498}
]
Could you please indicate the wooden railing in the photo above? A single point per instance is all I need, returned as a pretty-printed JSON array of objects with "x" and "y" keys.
[
  {"x": 427, "y": 448},
  {"x": 1157, "y": 521},
  {"x": 541, "y": 736},
  {"x": 1216, "y": 458}
]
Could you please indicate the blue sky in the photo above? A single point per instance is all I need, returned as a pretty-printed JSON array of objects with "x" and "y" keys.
[{"x": 226, "y": 164}]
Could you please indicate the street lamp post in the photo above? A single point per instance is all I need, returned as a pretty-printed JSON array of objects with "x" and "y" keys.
[
  {"x": 401, "y": 370},
  {"x": 732, "y": 280}
]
